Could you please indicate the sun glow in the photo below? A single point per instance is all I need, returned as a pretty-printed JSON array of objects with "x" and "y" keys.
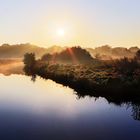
[{"x": 61, "y": 32}]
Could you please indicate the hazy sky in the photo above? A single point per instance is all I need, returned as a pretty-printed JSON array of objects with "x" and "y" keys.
[{"x": 88, "y": 23}]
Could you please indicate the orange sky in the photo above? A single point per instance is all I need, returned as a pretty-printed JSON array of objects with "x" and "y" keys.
[{"x": 88, "y": 23}]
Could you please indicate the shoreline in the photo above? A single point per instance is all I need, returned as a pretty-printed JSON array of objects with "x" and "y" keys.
[{"x": 110, "y": 87}]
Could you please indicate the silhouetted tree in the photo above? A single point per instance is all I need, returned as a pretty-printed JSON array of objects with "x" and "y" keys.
[
  {"x": 74, "y": 55},
  {"x": 133, "y": 49},
  {"x": 137, "y": 55},
  {"x": 29, "y": 61},
  {"x": 47, "y": 57}
]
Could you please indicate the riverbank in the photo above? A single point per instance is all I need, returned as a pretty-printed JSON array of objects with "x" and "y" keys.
[{"x": 92, "y": 80}]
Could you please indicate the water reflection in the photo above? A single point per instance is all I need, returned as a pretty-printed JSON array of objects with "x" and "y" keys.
[
  {"x": 131, "y": 101},
  {"x": 136, "y": 112},
  {"x": 46, "y": 110}
]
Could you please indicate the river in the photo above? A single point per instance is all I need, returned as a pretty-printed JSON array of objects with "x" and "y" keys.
[{"x": 45, "y": 110}]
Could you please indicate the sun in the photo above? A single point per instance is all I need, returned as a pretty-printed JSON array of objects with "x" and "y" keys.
[{"x": 60, "y": 32}]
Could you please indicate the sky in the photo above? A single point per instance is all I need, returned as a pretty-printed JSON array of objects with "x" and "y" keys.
[{"x": 88, "y": 23}]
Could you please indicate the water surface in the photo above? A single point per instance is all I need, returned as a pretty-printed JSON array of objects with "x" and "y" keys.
[{"x": 44, "y": 110}]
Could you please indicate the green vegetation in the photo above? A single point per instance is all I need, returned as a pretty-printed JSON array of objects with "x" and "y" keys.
[{"x": 117, "y": 78}]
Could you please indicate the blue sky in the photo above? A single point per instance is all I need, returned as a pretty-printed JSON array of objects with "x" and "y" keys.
[{"x": 89, "y": 23}]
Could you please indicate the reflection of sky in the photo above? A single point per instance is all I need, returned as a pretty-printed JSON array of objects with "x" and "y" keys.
[
  {"x": 50, "y": 110},
  {"x": 43, "y": 96}
]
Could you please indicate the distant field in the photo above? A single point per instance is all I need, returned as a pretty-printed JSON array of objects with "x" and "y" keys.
[{"x": 11, "y": 66}]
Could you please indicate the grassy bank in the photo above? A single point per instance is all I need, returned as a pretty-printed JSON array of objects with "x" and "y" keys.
[
  {"x": 115, "y": 79},
  {"x": 91, "y": 80}
]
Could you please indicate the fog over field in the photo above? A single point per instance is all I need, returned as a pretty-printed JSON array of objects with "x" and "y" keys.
[{"x": 11, "y": 66}]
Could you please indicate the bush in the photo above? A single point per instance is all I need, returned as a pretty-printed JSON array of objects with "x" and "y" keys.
[{"x": 126, "y": 66}]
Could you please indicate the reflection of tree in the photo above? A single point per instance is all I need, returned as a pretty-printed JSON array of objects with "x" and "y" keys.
[
  {"x": 78, "y": 78},
  {"x": 136, "y": 112},
  {"x": 33, "y": 78}
]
